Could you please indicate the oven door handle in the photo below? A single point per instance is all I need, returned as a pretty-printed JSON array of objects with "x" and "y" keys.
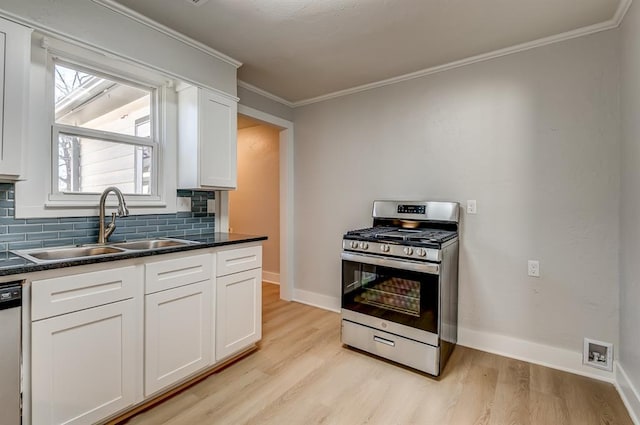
[{"x": 430, "y": 268}]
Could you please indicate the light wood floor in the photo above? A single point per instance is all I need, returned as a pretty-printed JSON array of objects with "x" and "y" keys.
[{"x": 303, "y": 375}]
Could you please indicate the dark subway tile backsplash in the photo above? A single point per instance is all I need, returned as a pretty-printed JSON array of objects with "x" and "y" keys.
[{"x": 47, "y": 232}]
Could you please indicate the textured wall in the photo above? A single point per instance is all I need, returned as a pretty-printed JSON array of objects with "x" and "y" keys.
[
  {"x": 630, "y": 200},
  {"x": 533, "y": 137},
  {"x": 261, "y": 103},
  {"x": 94, "y": 24},
  {"x": 254, "y": 208}
]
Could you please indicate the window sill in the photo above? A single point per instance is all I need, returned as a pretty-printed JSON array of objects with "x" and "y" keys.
[
  {"x": 56, "y": 204},
  {"x": 78, "y": 200}
]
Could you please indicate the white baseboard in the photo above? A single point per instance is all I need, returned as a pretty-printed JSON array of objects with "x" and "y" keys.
[
  {"x": 317, "y": 300},
  {"x": 629, "y": 393},
  {"x": 271, "y": 277},
  {"x": 532, "y": 352}
]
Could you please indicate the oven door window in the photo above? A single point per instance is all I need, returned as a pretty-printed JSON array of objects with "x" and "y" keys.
[{"x": 401, "y": 296}]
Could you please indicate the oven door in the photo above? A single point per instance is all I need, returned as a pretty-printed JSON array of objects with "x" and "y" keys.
[{"x": 404, "y": 292}]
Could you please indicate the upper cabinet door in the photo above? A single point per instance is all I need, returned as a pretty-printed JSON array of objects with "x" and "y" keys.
[
  {"x": 207, "y": 146},
  {"x": 15, "y": 48},
  {"x": 218, "y": 141}
]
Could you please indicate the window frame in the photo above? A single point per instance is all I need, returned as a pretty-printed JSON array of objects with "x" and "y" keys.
[{"x": 157, "y": 142}]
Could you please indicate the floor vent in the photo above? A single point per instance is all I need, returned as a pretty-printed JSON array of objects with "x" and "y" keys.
[{"x": 598, "y": 354}]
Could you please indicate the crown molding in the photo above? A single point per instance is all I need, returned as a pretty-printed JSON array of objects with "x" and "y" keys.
[
  {"x": 621, "y": 12},
  {"x": 612, "y": 23},
  {"x": 132, "y": 14},
  {"x": 265, "y": 93}
]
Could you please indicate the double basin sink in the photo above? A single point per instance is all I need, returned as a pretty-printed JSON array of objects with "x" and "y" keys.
[{"x": 69, "y": 253}]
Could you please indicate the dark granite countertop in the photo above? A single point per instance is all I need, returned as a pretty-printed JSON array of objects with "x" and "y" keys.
[{"x": 11, "y": 263}]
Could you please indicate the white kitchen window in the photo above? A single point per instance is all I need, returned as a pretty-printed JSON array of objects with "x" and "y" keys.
[
  {"x": 103, "y": 133},
  {"x": 96, "y": 120}
]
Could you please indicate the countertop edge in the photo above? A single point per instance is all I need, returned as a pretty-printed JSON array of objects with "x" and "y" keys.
[{"x": 35, "y": 267}]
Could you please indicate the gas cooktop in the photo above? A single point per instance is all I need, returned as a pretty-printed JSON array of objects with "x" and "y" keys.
[{"x": 399, "y": 234}]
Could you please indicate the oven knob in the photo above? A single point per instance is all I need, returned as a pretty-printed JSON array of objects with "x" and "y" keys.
[
  {"x": 421, "y": 252},
  {"x": 408, "y": 250},
  {"x": 385, "y": 248},
  {"x": 364, "y": 245},
  {"x": 354, "y": 244}
]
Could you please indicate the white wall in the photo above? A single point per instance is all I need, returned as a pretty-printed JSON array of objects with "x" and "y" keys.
[
  {"x": 533, "y": 137},
  {"x": 261, "y": 103},
  {"x": 630, "y": 209},
  {"x": 93, "y": 24}
]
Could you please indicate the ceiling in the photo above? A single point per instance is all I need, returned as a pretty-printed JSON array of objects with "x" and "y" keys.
[{"x": 301, "y": 49}]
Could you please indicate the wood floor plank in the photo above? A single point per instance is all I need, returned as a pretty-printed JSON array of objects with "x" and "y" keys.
[
  {"x": 476, "y": 401},
  {"x": 511, "y": 404},
  {"x": 547, "y": 408},
  {"x": 302, "y": 374}
]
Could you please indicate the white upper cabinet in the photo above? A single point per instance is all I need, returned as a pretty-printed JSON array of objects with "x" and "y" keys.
[
  {"x": 15, "y": 48},
  {"x": 207, "y": 145}
]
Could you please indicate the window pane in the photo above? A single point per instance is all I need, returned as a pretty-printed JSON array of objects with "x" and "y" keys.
[
  {"x": 90, "y": 165},
  {"x": 89, "y": 101}
]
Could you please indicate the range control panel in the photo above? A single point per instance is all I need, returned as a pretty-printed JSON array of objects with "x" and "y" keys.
[{"x": 411, "y": 209}]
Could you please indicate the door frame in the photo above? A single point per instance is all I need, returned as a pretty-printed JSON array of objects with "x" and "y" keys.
[{"x": 286, "y": 198}]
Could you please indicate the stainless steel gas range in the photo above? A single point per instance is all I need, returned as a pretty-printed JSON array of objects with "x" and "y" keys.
[{"x": 400, "y": 284}]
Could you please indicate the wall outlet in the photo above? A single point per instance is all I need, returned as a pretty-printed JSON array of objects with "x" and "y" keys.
[
  {"x": 598, "y": 354},
  {"x": 533, "y": 268},
  {"x": 472, "y": 207},
  {"x": 211, "y": 206},
  {"x": 183, "y": 203}
]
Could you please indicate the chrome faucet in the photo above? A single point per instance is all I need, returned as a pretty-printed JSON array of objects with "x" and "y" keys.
[{"x": 105, "y": 231}]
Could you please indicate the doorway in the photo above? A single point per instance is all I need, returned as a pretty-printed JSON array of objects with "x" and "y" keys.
[
  {"x": 254, "y": 207},
  {"x": 285, "y": 192}
]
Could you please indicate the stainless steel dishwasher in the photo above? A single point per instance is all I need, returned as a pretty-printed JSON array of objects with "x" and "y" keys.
[{"x": 10, "y": 348}]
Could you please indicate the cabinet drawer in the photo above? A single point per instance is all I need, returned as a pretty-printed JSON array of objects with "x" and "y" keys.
[
  {"x": 406, "y": 351},
  {"x": 177, "y": 272},
  {"x": 239, "y": 260},
  {"x": 60, "y": 295}
]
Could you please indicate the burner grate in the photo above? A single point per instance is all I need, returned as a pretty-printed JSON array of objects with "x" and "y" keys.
[
  {"x": 371, "y": 232},
  {"x": 397, "y": 234}
]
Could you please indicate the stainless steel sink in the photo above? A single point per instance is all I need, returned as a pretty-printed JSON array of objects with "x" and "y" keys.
[
  {"x": 56, "y": 254},
  {"x": 151, "y": 244},
  {"x": 42, "y": 255}
]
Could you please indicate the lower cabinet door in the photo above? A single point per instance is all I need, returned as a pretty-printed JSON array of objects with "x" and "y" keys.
[
  {"x": 178, "y": 333},
  {"x": 84, "y": 364},
  {"x": 238, "y": 312}
]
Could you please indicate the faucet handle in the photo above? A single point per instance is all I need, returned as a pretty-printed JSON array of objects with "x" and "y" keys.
[{"x": 111, "y": 227}]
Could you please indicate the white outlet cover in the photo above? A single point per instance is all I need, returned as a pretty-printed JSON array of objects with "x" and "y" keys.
[
  {"x": 183, "y": 203},
  {"x": 533, "y": 268},
  {"x": 211, "y": 206},
  {"x": 472, "y": 207}
]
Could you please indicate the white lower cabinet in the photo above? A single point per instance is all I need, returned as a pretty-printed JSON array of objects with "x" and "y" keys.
[
  {"x": 84, "y": 364},
  {"x": 178, "y": 332},
  {"x": 238, "y": 312},
  {"x": 106, "y": 340}
]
